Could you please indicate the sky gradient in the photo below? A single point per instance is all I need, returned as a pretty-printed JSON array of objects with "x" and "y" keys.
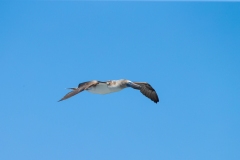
[{"x": 189, "y": 52}]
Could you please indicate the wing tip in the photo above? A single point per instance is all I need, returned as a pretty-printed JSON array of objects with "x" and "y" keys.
[
  {"x": 61, "y": 100},
  {"x": 156, "y": 101}
]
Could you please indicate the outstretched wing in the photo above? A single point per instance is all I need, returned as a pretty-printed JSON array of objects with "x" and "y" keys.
[
  {"x": 81, "y": 87},
  {"x": 147, "y": 90}
]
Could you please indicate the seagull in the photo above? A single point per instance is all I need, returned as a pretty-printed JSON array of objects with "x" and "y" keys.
[{"x": 106, "y": 87}]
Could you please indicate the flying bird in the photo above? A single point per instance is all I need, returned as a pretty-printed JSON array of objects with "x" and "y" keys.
[{"x": 105, "y": 87}]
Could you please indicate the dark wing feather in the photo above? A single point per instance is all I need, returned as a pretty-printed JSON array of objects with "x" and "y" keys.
[
  {"x": 72, "y": 93},
  {"x": 147, "y": 90},
  {"x": 81, "y": 87}
]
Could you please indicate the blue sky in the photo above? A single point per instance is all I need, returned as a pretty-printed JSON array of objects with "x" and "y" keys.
[{"x": 189, "y": 52}]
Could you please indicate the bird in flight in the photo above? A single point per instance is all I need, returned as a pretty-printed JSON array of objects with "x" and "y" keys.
[{"x": 105, "y": 87}]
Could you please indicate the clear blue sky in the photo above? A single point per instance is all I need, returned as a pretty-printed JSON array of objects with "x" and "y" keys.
[{"x": 189, "y": 52}]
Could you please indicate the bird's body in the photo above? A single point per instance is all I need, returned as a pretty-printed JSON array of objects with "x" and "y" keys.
[
  {"x": 106, "y": 87},
  {"x": 103, "y": 88}
]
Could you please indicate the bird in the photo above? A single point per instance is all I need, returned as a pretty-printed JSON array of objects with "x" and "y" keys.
[{"x": 110, "y": 86}]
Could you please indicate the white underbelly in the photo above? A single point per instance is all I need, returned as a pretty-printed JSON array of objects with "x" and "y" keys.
[{"x": 102, "y": 88}]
